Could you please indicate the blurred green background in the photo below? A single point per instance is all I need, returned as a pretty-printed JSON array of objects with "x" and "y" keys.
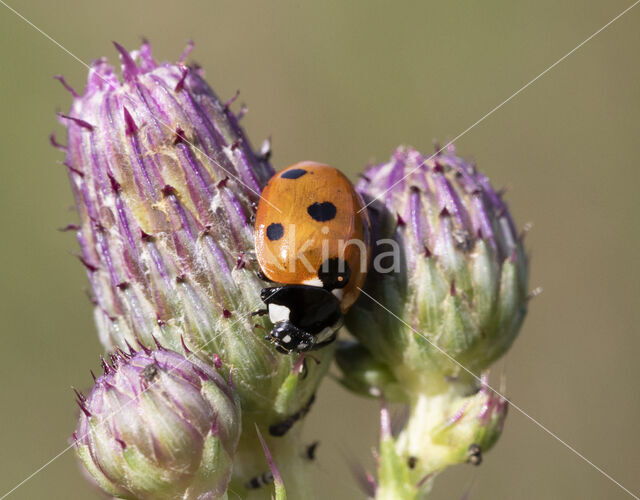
[{"x": 344, "y": 83}]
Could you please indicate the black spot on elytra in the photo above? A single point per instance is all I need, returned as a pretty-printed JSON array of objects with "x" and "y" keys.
[
  {"x": 294, "y": 173},
  {"x": 334, "y": 273},
  {"x": 275, "y": 231},
  {"x": 322, "y": 212}
]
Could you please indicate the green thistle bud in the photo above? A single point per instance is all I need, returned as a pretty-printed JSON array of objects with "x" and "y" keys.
[
  {"x": 166, "y": 183},
  {"x": 459, "y": 277},
  {"x": 158, "y": 425},
  {"x": 449, "y": 303}
]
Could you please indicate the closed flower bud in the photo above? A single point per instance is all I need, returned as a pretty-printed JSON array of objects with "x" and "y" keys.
[
  {"x": 441, "y": 303},
  {"x": 166, "y": 183},
  {"x": 158, "y": 425},
  {"x": 460, "y": 274}
]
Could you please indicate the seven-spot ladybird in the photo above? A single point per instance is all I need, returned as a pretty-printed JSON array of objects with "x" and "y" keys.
[{"x": 313, "y": 238}]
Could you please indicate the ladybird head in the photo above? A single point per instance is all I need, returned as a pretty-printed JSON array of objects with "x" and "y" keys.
[
  {"x": 304, "y": 316},
  {"x": 287, "y": 338}
]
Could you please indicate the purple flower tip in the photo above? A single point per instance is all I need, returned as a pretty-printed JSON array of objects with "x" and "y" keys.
[
  {"x": 54, "y": 142},
  {"x": 105, "y": 366},
  {"x": 179, "y": 136},
  {"x": 157, "y": 342},
  {"x": 180, "y": 85},
  {"x": 233, "y": 99},
  {"x": 422, "y": 481},
  {"x": 82, "y": 123},
  {"x": 84, "y": 409},
  {"x": 81, "y": 397},
  {"x": 272, "y": 465},
  {"x": 114, "y": 360},
  {"x": 146, "y": 237},
  {"x": 115, "y": 185},
  {"x": 144, "y": 348},
  {"x": 73, "y": 169},
  {"x": 186, "y": 52},
  {"x": 64, "y": 83},
  {"x": 90, "y": 267},
  {"x": 217, "y": 362},
  {"x": 132, "y": 351},
  {"x": 184, "y": 345},
  {"x": 364, "y": 478},
  {"x": 131, "y": 127},
  {"x": 168, "y": 190},
  {"x": 129, "y": 67}
]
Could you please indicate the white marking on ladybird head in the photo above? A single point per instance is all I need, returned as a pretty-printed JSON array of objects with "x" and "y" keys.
[
  {"x": 286, "y": 339},
  {"x": 278, "y": 313}
]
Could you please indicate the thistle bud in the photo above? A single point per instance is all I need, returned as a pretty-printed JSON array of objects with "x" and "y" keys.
[
  {"x": 448, "y": 304},
  {"x": 166, "y": 183},
  {"x": 159, "y": 425},
  {"x": 459, "y": 276}
]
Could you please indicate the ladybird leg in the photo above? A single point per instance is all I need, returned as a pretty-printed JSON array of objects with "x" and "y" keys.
[
  {"x": 268, "y": 294},
  {"x": 260, "y": 312},
  {"x": 259, "y": 481},
  {"x": 282, "y": 350},
  {"x": 281, "y": 428},
  {"x": 474, "y": 454},
  {"x": 320, "y": 345},
  {"x": 263, "y": 277},
  {"x": 310, "y": 451}
]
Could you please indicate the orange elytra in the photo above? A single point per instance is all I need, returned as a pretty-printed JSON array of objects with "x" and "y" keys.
[{"x": 312, "y": 234}]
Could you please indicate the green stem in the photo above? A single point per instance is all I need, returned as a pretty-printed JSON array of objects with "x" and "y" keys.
[
  {"x": 397, "y": 477},
  {"x": 419, "y": 438}
]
